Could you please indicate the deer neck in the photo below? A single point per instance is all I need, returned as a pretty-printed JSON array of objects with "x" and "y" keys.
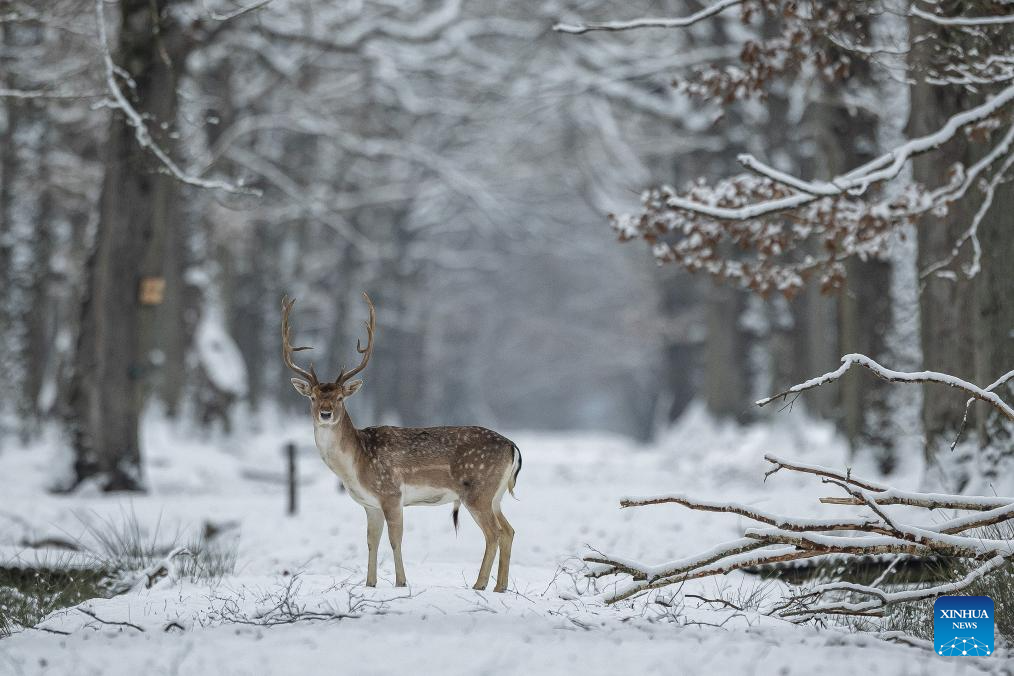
[
  {"x": 342, "y": 450},
  {"x": 340, "y": 441}
]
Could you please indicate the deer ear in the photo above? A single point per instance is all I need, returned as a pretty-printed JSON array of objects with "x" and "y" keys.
[
  {"x": 352, "y": 387},
  {"x": 301, "y": 386}
]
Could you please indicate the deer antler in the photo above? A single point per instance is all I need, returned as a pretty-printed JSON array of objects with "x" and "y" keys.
[
  {"x": 287, "y": 348},
  {"x": 365, "y": 351}
]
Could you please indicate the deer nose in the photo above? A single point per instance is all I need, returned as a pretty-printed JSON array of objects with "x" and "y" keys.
[{"x": 325, "y": 415}]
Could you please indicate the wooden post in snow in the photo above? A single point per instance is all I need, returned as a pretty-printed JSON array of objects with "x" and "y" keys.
[{"x": 290, "y": 452}]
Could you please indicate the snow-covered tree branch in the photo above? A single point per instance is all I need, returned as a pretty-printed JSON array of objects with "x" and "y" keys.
[
  {"x": 986, "y": 394},
  {"x": 776, "y": 220},
  {"x": 680, "y": 22},
  {"x": 137, "y": 122}
]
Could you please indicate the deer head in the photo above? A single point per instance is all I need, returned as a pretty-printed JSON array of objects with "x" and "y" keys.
[{"x": 327, "y": 399}]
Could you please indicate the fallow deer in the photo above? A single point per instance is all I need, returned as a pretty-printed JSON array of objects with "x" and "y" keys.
[{"x": 387, "y": 468}]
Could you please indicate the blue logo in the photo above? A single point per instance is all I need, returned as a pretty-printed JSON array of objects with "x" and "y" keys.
[{"x": 963, "y": 626}]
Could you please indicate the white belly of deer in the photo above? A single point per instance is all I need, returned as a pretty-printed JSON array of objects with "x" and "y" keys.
[{"x": 426, "y": 495}]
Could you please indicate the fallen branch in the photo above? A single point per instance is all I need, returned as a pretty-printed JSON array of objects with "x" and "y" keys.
[
  {"x": 786, "y": 538},
  {"x": 894, "y": 496},
  {"x": 798, "y": 607},
  {"x": 778, "y": 520},
  {"x": 819, "y": 470}
]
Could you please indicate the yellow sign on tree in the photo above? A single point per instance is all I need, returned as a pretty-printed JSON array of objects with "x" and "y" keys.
[{"x": 152, "y": 290}]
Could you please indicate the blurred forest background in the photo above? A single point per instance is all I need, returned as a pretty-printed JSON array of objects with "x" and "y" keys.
[{"x": 169, "y": 169}]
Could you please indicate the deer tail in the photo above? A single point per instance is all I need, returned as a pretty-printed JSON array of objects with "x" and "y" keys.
[
  {"x": 454, "y": 515},
  {"x": 516, "y": 470}
]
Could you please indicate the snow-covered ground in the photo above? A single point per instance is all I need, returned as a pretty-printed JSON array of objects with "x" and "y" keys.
[{"x": 551, "y": 621}]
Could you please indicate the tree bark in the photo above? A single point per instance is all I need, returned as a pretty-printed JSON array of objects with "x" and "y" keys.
[
  {"x": 38, "y": 311},
  {"x": 727, "y": 377},
  {"x": 818, "y": 348},
  {"x": 118, "y": 335},
  {"x": 846, "y": 137},
  {"x": 170, "y": 332},
  {"x": 680, "y": 304},
  {"x": 994, "y": 330},
  {"x": 864, "y": 320},
  {"x": 25, "y": 239},
  {"x": 994, "y": 326},
  {"x": 857, "y": 318},
  {"x": 947, "y": 305},
  {"x": 8, "y": 170}
]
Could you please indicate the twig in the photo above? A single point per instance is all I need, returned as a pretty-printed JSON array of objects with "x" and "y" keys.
[
  {"x": 51, "y": 631},
  {"x": 235, "y": 14},
  {"x": 109, "y": 622},
  {"x": 859, "y": 495},
  {"x": 968, "y": 405},
  {"x": 728, "y": 604}
]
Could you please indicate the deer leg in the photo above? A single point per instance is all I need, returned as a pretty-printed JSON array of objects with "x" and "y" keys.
[
  {"x": 490, "y": 529},
  {"x": 374, "y": 529},
  {"x": 506, "y": 540},
  {"x": 395, "y": 527}
]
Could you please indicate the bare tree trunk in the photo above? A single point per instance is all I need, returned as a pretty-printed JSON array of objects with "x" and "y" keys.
[
  {"x": 726, "y": 377},
  {"x": 25, "y": 240},
  {"x": 994, "y": 334},
  {"x": 38, "y": 310},
  {"x": 946, "y": 304},
  {"x": 846, "y": 137},
  {"x": 864, "y": 320},
  {"x": 171, "y": 331},
  {"x": 118, "y": 335},
  {"x": 8, "y": 170},
  {"x": 817, "y": 346},
  {"x": 994, "y": 329},
  {"x": 680, "y": 300}
]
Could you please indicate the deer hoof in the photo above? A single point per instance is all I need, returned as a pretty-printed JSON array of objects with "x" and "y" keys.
[
  {"x": 500, "y": 589},
  {"x": 479, "y": 585}
]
